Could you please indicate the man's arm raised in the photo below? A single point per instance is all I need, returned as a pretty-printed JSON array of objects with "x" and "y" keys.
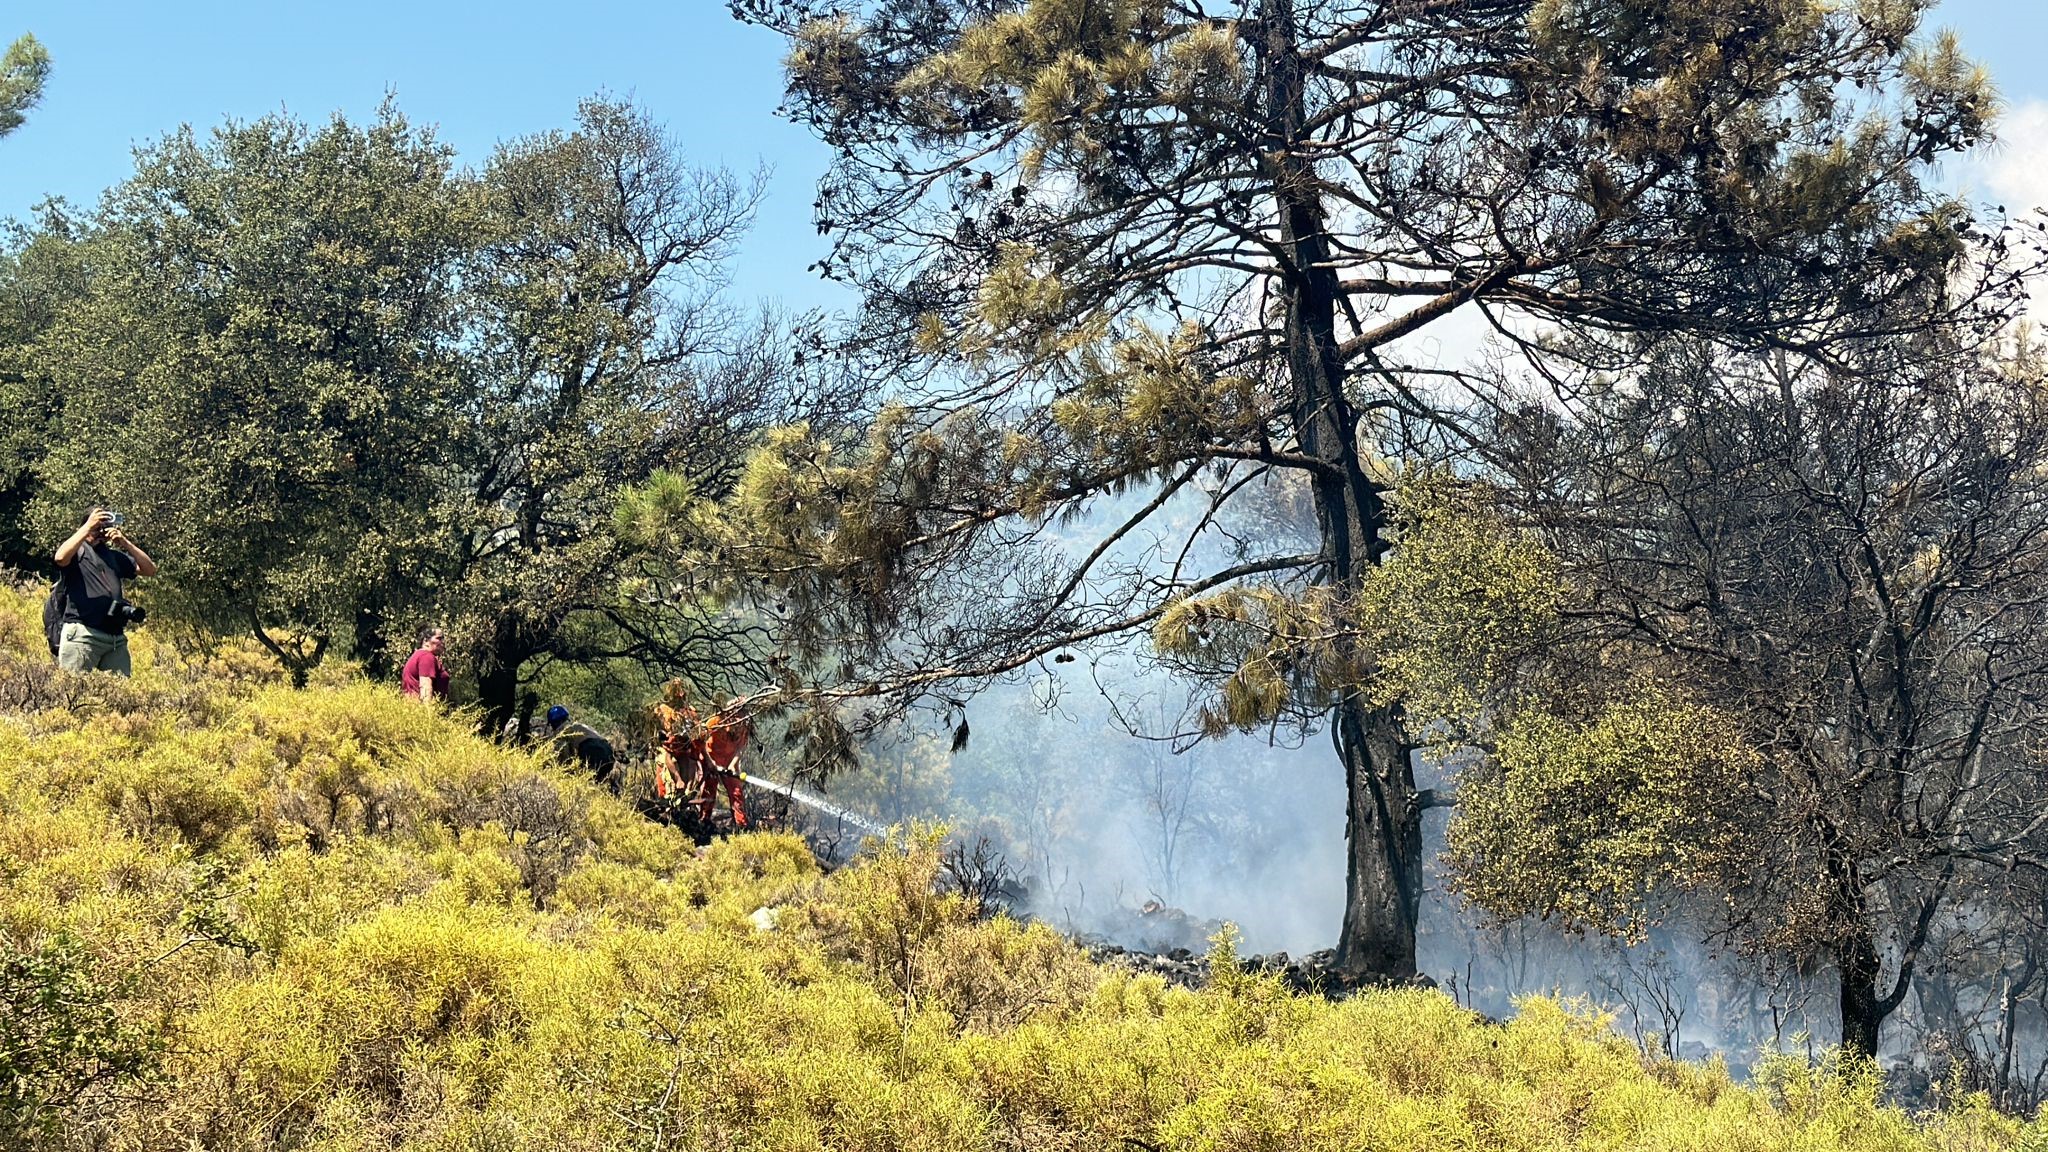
[
  {"x": 68, "y": 550},
  {"x": 144, "y": 566}
]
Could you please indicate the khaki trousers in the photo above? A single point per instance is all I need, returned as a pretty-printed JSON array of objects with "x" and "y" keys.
[{"x": 83, "y": 649}]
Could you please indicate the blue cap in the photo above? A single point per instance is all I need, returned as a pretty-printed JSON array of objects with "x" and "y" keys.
[{"x": 557, "y": 714}]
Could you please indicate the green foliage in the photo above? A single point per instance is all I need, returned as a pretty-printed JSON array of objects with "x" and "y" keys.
[
  {"x": 1276, "y": 650},
  {"x": 1064, "y": 58},
  {"x": 398, "y": 391},
  {"x": 657, "y": 512},
  {"x": 1151, "y": 397},
  {"x": 400, "y": 936},
  {"x": 1588, "y": 796},
  {"x": 23, "y": 70},
  {"x": 1465, "y": 598},
  {"x": 930, "y": 950},
  {"x": 600, "y": 357},
  {"x": 64, "y": 1044},
  {"x": 1593, "y": 823},
  {"x": 1440, "y": 627},
  {"x": 41, "y": 271},
  {"x": 274, "y": 301}
]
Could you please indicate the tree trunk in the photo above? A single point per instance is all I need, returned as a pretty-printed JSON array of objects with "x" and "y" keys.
[
  {"x": 296, "y": 661},
  {"x": 1383, "y": 888},
  {"x": 1383, "y": 825},
  {"x": 1862, "y": 1011},
  {"x": 370, "y": 646},
  {"x": 497, "y": 680}
]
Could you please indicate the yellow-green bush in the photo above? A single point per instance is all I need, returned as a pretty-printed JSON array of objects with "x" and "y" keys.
[{"x": 351, "y": 924}]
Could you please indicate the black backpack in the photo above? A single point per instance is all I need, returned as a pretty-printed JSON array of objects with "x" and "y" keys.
[{"x": 53, "y": 616}]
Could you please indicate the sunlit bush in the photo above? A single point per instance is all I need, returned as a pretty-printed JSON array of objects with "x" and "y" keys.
[{"x": 334, "y": 919}]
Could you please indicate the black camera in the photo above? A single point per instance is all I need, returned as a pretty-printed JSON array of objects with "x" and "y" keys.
[{"x": 124, "y": 613}]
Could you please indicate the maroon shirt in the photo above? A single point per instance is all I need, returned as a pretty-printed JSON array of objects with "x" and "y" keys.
[{"x": 424, "y": 665}]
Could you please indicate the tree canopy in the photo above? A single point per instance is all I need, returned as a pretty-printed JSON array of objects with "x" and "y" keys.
[
  {"x": 263, "y": 368},
  {"x": 350, "y": 387},
  {"x": 1124, "y": 259},
  {"x": 24, "y": 69},
  {"x": 1801, "y": 668}
]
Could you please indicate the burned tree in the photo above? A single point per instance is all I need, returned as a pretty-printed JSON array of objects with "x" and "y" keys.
[
  {"x": 1796, "y": 659},
  {"x": 1136, "y": 264}
]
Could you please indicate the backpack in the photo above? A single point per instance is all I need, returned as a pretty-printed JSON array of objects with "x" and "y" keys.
[{"x": 53, "y": 616}]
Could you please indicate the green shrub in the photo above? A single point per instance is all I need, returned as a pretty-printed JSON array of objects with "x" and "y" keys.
[
  {"x": 175, "y": 787},
  {"x": 66, "y": 1052},
  {"x": 358, "y": 926}
]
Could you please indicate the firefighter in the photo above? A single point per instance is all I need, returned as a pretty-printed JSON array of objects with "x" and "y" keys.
[
  {"x": 724, "y": 736},
  {"x": 578, "y": 742},
  {"x": 675, "y": 758}
]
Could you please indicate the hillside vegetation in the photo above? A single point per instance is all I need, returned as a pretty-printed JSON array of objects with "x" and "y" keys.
[{"x": 238, "y": 915}]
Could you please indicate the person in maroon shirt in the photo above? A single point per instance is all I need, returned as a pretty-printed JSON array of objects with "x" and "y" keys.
[{"x": 425, "y": 677}]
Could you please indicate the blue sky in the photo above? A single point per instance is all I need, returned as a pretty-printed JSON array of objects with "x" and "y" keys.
[{"x": 128, "y": 72}]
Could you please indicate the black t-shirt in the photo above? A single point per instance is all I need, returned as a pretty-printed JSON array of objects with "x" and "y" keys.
[{"x": 92, "y": 582}]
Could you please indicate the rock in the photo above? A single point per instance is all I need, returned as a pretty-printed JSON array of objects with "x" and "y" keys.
[{"x": 765, "y": 919}]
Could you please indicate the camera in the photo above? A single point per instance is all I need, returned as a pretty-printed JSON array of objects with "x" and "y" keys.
[
  {"x": 115, "y": 519},
  {"x": 125, "y": 612}
]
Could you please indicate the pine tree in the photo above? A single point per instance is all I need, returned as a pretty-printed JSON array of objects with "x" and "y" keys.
[
  {"x": 1158, "y": 265},
  {"x": 23, "y": 71}
]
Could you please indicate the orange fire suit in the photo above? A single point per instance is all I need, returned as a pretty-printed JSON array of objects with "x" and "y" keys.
[
  {"x": 718, "y": 751},
  {"x": 675, "y": 761}
]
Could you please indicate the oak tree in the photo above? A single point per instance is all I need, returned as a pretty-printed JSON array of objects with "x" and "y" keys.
[{"x": 600, "y": 355}]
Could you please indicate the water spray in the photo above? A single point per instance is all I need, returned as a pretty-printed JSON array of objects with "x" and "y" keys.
[{"x": 818, "y": 804}]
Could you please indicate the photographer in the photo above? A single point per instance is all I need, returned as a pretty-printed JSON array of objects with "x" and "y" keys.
[{"x": 92, "y": 564}]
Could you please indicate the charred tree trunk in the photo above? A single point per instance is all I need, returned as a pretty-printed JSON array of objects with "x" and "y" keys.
[
  {"x": 1865, "y": 1003},
  {"x": 1857, "y": 965},
  {"x": 1384, "y": 825},
  {"x": 1863, "y": 1011},
  {"x": 497, "y": 679},
  {"x": 1383, "y": 885}
]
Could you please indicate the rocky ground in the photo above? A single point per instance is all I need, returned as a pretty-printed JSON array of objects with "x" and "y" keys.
[{"x": 1313, "y": 973}]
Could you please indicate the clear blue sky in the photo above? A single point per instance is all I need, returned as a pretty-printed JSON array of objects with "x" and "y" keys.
[{"x": 128, "y": 72}]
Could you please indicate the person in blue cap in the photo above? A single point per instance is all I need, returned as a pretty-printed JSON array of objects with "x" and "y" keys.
[{"x": 577, "y": 741}]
